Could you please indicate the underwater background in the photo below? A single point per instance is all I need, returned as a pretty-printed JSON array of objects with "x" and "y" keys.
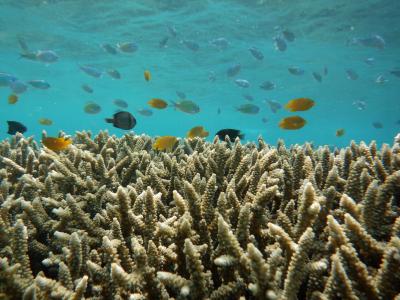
[{"x": 328, "y": 34}]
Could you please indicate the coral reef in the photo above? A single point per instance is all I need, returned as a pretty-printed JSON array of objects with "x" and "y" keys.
[{"x": 110, "y": 218}]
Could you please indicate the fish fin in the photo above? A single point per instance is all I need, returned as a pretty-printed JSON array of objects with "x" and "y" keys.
[{"x": 109, "y": 120}]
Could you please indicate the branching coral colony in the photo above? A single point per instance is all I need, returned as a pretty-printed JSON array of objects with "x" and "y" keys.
[{"x": 112, "y": 219}]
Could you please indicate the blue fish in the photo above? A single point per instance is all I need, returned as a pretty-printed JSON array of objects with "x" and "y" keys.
[
  {"x": 114, "y": 74},
  {"x": 256, "y": 53},
  {"x": 18, "y": 87},
  {"x": 39, "y": 84},
  {"x": 6, "y": 79},
  {"x": 109, "y": 48},
  {"x": 242, "y": 83},
  {"x": 233, "y": 70},
  {"x": 280, "y": 43},
  {"x": 128, "y": 47},
  {"x": 250, "y": 109},
  {"x": 91, "y": 71},
  {"x": 46, "y": 56}
]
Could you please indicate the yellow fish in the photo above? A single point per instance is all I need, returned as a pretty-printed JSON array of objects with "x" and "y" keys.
[
  {"x": 56, "y": 144},
  {"x": 147, "y": 75},
  {"x": 299, "y": 104},
  {"x": 45, "y": 121},
  {"x": 292, "y": 123},
  {"x": 157, "y": 103},
  {"x": 12, "y": 99},
  {"x": 340, "y": 132},
  {"x": 197, "y": 131},
  {"x": 165, "y": 143}
]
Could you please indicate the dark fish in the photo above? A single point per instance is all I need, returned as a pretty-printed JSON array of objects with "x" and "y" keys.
[
  {"x": 377, "y": 125},
  {"x": 288, "y": 35},
  {"x": 395, "y": 73},
  {"x": 325, "y": 71},
  {"x": 233, "y": 70},
  {"x": 14, "y": 127},
  {"x": 87, "y": 88},
  {"x": 317, "y": 76},
  {"x": 280, "y": 43},
  {"x": 232, "y": 133},
  {"x": 294, "y": 70},
  {"x": 256, "y": 53},
  {"x": 267, "y": 85},
  {"x": 122, "y": 120},
  {"x": 163, "y": 42},
  {"x": 192, "y": 45}
]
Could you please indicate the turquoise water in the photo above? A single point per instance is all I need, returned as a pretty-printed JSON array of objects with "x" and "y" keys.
[{"x": 76, "y": 29}]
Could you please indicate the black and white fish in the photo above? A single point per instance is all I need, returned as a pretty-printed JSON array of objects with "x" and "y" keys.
[{"x": 123, "y": 120}]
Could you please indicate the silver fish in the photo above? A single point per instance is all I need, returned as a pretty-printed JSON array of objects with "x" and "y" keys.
[
  {"x": 369, "y": 61},
  {"x": 127, "y": 47},
  {"x": 192, "y": 45},
  {"x": 294, "y": 70},
  {"x": 360, "y": 104},
  {"x": 351, "y": 74},
  {"x": 221, "y": 43},
  {"x": 114, "y": 74},
  {"x": 274, "y": 105},
  {"x": 373, "y": 41},
  {"x": 120, "y": 103},
  {"x": 242, "y": 83},
  {"x": 248, "y": 97},
  {"x": 87, "y": 88},
  {"x": 109, "y": 48},
  {"x": 145, "y": 112},
  {"x": 163, "y": 42},
  {"x": 46, "y": 56},
  {"x": 317, "y": 76},
  {"x": 18, "y": 87},
  {"x": 381, "y": 79},
  {"x": 91, "y": 71},
  {"x": 233, "y": 70},
  {"x": 268, "y": 85},
  {"x": 6, "y": 79},
  {"x": 256, "y": 53},
  {"x": 39, "y": 84},
  {"x": 280, "y": 43}
]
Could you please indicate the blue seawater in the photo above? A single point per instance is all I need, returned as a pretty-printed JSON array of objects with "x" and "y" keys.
[{"x": 75, "y": 29}]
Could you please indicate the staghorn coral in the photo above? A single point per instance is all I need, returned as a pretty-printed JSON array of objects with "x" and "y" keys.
[{"x": 110, "y": 218}]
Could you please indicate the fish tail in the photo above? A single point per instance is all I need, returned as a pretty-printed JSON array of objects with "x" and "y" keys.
[{"x": 109, "y": 120}]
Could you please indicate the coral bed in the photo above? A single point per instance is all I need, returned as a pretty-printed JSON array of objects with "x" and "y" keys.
[{"x": 112, "y": 219}]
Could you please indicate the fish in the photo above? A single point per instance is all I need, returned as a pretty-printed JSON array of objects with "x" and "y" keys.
[
  {"x": 360, "y": 104},
  {"x": 279, "y": 43},
  {"x": 267, "y": 85},
  {"x": 123, "y": 120},
  {"x": 186, "y": 106},
  {"x": 145, "y": 112},
  {"x": 248, "y": 97},
  {"x": 274, "y": 105},
  {"x": 242, "y": 83},
  {"x": 91, "y": 71},
  {"x": 114, "y": 74},
  {"x": 28, "y": 55},
  {"x": 172, "y": 30},
  {"x": 165, "y": 143},
  {"x": 248, "y": 108},
  {"x": 221, "y": 43},
  {"x": 120, "y": 103},
  {"x": 288, "y": 35},
  {"x": 233, "y": 70},
  {"x": 395, "y": 73},
  {"x": 218, "y": 111},
  {"x": 92, "y": 108},
  {"x": 339, "y": 132},
  {"x": 299, "y": 104},
  {"x": 377, "y": 125},
  {"x": 351, "y": 74},
  {"x": 317, "y": 76},
  {"x": 87, "y": 88},
  {"x": 264, "y": 120},
  {"x": 39, "y": 84},
  {"x": 345, "y": 27},
  {"x": 292, "y": 123},
  {"x": 6, "y": 79},
  {"x": 22, "y": 44},
  {"x": 211, "y": 76},
  {"x": 56, "y": 143},
  {"x": 181, "y": 95},
  {"x": 231, "y": 133},
  {"x": 381, "y": 79},
  {"x": 256, "y": 53},
  {"x": 127, "y": 47},
  {"x": 157, "y": 103},
  {"x": 325, "y": 71},
  {"x": 45, "y": 121},
  {"x": 46, "y": 56},
  {"x": 109, "y": 48},
  {"x": 294, "y": 70},
  {"x": 12, "y": 99},
  {"x": 369, "y": 61},
  {"x": 373, "y": 41},
  {"x": 18, "y": 87},
  {"x": 197, "y": 131},
  {"x": 147, "y": 75},
  {"x": 163, "y": 42},
  {"x": 192, "y": 45},
  {"x": 14, "y": 127}
]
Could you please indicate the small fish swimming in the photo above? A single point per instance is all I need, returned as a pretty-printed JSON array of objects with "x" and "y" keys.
[
  {"x": 197, "y": 131},
  {"x": 256, "y": 53},
  {"x": 114, "y": 74},
  {"x": 242, "y": 83},
  {"x": 279, "y": 43},
  {"x": 56, "y": 143},
  {"x": 12, "y": 99},
  {"x": 221, "y": 43},
  {"x": 264, "y": 120},
  {"x": 377, "y": 125},
  {"x": 172, "y": 30},
  {"x": 274, "y": 105},
  {"x": 127, "y": 47},
  {"x": 22, "y": 44},
  {"x": 369, "y": 61},
  {"x": 248, "y": 97},
  {"x": 192, "y": 45},
  {"x": 14, "y": 127},
  {"x": 6, "y": 79},
  {"x": 92, "y": 108},
  {"x": 87, "y": 88},
  {"x": 395, "y": 73},
  {"x": 181, "y": 95},
  {"x": 294, "y": 70},
  {"x": 231, "y": 133},
  {"x": 317, "y": 76},
  {"x": 248, "y": 108},
  {"x": 91, "y": 71},
  {"x": 109, "y": 48},
  {"x": 299, "y": 104},
  {"x": 360, "y": 104},
  {"x": 218, "y": 111},
  {"x": 123, "y": 120},
  {"x": 325, "y": 71},
  {"x": 288, "y": 35},
  {"x": 351, "y": 74},
  {"x": 39, "y": 84},
  {"x": 147, "y": 75},
  {"x": 186, "y": 106},
  {"x": 233, "y": 70},
  {"x": 268, "y": 85},
  {"x": 381, "y": 79},
  {"x": 120, "y": 103},
  {"x": 44, "y": 56},
  {"x": 145, "y": 112},
  {"x": 163, "y": 42},
  {"x": 373, "y": 41},
  {"x": 45, "y": 121},
  {"x": 165, "y": 143},
  {"x": 18, "y": 87},
  {"x": 339, "y": 132},
  {"x": 292, "y": 123},
  {"x": 157, "y": 103}
]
